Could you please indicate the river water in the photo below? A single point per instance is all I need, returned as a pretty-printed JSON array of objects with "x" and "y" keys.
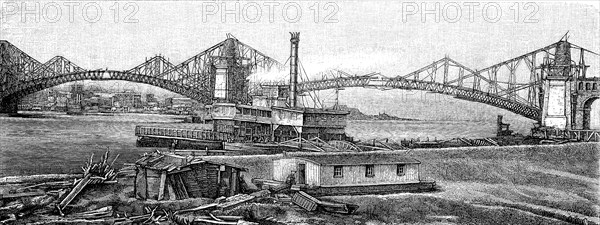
[{"x": 57, "y": 143}]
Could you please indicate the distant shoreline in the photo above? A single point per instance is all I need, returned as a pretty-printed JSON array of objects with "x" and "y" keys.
[
  {"x": 356, "y": 114},
  {"x": 398, "y": 119}
]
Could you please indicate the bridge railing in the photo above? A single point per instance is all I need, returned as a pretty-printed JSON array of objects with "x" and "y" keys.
[{"x": 141, "y": 131}]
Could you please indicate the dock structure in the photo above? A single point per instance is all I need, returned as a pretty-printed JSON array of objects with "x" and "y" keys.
[
  {"x": 180, "y": 133},
  {"x": 570, "y": 135},
  {"x": 179, "y": 137}
]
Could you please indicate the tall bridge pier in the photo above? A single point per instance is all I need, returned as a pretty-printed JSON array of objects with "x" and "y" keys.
[
  {"x": 567, "y": 93},
  {"x": 557, "y": 81},
  {"x": 9, "y": 105}
]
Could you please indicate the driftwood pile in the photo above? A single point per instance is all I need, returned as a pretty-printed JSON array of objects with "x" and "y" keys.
[
  {"x": 302, "y": 199},
  {"x": 219, "y": 204},
  {"x": 41, "y": 194},
  {"x": 49, "y": 196},
  {"x": 93, "y": 173}
]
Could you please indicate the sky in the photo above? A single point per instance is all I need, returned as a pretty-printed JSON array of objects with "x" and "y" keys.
[{"x": 390, "y": 37}]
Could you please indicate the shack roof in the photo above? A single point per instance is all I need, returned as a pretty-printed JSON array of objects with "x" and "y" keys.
[
  {"x": 170, "y": 162},
  {"x": 360, "y": 159}
]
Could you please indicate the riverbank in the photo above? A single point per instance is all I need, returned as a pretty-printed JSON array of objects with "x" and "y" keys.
[
  {"x": 541, "y": 180},
  {"x": 551, "y": 184}
]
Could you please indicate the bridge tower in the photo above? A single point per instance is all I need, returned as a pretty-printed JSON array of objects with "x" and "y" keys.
[
  {"x": 230, "y": 82},
  {"x": 7, "y": 74},
  {"x": 558, "y": 76}
]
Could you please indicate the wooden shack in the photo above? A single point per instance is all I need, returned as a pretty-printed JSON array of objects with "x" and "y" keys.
[
  {"x": 162, "y": 176},
  {"x": 352, "y": 173}
]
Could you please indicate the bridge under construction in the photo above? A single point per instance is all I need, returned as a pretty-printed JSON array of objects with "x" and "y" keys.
[{"x": 549, "y": 85}]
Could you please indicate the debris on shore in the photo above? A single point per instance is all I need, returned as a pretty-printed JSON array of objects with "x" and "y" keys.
[
  {"x": 60, "y": 200},
  {"x": 42, "y": 194},
  {"x": 93, "y": 173}
]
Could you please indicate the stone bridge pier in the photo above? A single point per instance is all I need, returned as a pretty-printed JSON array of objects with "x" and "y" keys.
[
  {"x": 568, "y": 95},
  {"x": 587, "y": 93},
  {"x": 9, "y": 105}
]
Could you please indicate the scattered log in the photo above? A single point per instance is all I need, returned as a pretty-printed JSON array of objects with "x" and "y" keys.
[
  {"x": 37, "y": 178},
  {"x": 55, "y": 184},
  {"x": 202, "y": 207},
  {"x": 235, "y": 200},
  {"x": 74, "y": 221},
  {"x": 22, "y": 194},
  {"x": 214, "y": 221},
  {"x": 283, "y": 198},
  {"x": 94, "y": 214},
  {"x": 74, "y": 192},
  {"x": 11, "y": 218},
  {"x": 132, "y": 219},
  {"x": 230, "y": 218},
  {"x": 213, "y": 217},
  {"x": 12, "y": 208},
  {"x": 262, "y": 193},
  {"x": 220, "y": 199},
  {"x": 40, "y": 201},
  {"x": 220, "y": 218}
]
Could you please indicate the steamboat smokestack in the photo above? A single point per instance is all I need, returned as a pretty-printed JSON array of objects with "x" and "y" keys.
[{"x": 294, "y": 68}]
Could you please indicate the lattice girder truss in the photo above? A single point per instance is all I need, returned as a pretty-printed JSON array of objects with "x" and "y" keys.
[{"x": 21, "y": 74}]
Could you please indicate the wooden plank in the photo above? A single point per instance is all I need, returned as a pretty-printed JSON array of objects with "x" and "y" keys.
[
  {"x": 23, "y": 194},
  {"x": 76, "y": 190},
  {"x": 214, "y": 222},
  {"x": 202, "y": 207},
  {"x": 37, "y": 178},
  {"x": 161, "y": 187},
  {"x": 235, "y": 200}
]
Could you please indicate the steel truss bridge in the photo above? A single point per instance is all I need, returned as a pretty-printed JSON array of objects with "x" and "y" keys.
[
  {"x": 21, "y": 74},
  {"x": 514, "y": 84}
]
